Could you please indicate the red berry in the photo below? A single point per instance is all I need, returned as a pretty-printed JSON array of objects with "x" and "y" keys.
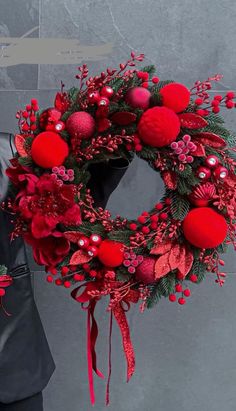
[
  {"x": 229, "y": 104},
  {"x": 193, "y": 278},
  {"x": 129, "y": 147},
  {"x": 58, "y": 281},
  {"x": 25, "y": 114},
  {"x": 187, "y": 292},
  {"x": 93, "y": 273},
  {"x": 49, "y": 278},
  {"x": 168, "y": 201},
  {"x": 218, "y": 97},
  {"x": 145, "y": 230},
  {"x": 159, "y": 206},
  {"x": 64, "y": 270},
  {"x": 73, "y": 268},
  {"x": 164, "y": 216},
  {"x": 200, "y": 112},
  {"x": 198, "y": 101},
  {"x": 215, "y": 103},
  {"x": 179, "y": 276},
  {"x": 145, "y": 213},
  {"x": 154, "y": 218},
  {"x": 78, "y": 277},
  {"x": 136, "y": 139},
  {"x": 86, "y": 267},
  {"x": 138, "y": 147},
  {"x": 153, "y": 225},
  {"x": 181, "y": 301},
  {"x": 172, "y": 298},
  {"x": 133, "y": 226},
  {"x": 230, "y": 94},
  {"x": 145, "y": 84},
  {"x": 155, "y": 80},
  {"x": 67, "y": 284},
  {"x": 2, "y": 292},
  {"x": 216, "y": 110},
  {"x": 142, "y": 219},
  {"x": 52, "y": 270},
  {"x": 178, "y": 288}
]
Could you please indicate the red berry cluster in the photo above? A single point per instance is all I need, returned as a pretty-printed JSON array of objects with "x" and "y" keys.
[
  {"x": 217, "y": 102},
  {"x": 27, "y": 118},
  {"x": 144, "y": 76},
  {"x": 131, "y": 261},
  {"x": 184, "y": 293},
  {"x": 149, "y": 221}
]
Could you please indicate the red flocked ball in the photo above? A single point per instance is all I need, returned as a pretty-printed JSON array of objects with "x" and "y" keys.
[
  {"x": 49, "y": 149},
  {"x": 80, "y": 125},
  {"x": 158, "y": 126},
  {"x": 145, "y": 271},
  {"x": 138, "y": 97},
  {"x": 175, "y": 96},
  {"x": 204, "y": 228},
  {"x": 111, "y": 253}
]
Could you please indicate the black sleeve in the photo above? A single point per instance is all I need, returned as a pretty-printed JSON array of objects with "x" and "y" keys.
[{"x": 104, "y": 179}]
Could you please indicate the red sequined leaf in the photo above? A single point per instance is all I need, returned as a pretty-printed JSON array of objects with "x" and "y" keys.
[
  {"x": 123, "y": 118},
  {"x": 162, "y": 266},
  {"x": 161, "y": 248},
  {"x": 103, "y": 124},
  {"x": 72, "y": 236},
  {"x": 200, "y": 151},
  {"x": 192, "y": 121},
  {"x": 19, "y": 141},
  {"x": 210, "y": 139},
  {"x": 80, "y": 257},
  {"x": 170, "y": 180},
  {"x": 175, "y": 256},
  {"x": 5, "y": 280},
  {"x": 186, "y": 262}
]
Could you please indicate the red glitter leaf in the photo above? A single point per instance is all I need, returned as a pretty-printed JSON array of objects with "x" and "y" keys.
[
  {"x": 72, "y": 236},
  {"x": 210, "y": 139},
  {"x": 186, "y": 262},
  {"x": 61, "y": 102},
  {"x": 162, "y": 266},
  {"x": 169, "y": 178},
  {"x": 123, "y": 118},
  {"x": 161, "y": 248},
  {"x": 80, "y": 257},
  {"x": 192, "y": 121},
  {"x": 103, "y": 124},
  {"x": 19, "y": 141},
  {"x": 175, "y": 256}
]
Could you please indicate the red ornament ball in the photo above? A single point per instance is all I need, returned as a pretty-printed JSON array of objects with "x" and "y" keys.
[
  {"x": 111, "y": 253},
  {"x": 49, "y": 149},
  {"x": 175, "y": 96},
  {"x": 145, "y": 271},
  {"x": 138, "y": 97},
  {"x": 159, "y": 126},
  {"x": 204, "y": 228},
  {"x": 80, "y": 125}
]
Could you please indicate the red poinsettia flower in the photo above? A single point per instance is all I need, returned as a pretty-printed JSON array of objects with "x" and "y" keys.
[
  {"x": 49, "y": 251},
  {"x": 50, "y": 204},
  {"x": 22, "y": 177}
]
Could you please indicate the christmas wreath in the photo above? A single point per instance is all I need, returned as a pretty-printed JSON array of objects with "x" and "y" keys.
[{"x": 121, "y": 112}]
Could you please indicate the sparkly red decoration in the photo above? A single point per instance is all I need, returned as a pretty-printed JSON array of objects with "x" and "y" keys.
[
  {"x": 203, "y": 194},
  {"x": 145, "y": 272},
  {"x": 49, "y": 149},
  {"x": 138, "y": 97},
  {"x": 175, "y": 96},
  {"x": 204, "y": 227},
  {"x": 80, "y": 125},
  {"x": 49, "y": 118},
  {"x": 158, "y": 126},
  {"x": 111, "y": 253}
]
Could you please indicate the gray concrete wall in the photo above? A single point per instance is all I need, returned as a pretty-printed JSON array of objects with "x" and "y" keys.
[{"x": 186, "y": 356}]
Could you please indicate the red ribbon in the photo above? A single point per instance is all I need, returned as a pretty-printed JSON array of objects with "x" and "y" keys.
[{"x": 92, "y": 331}]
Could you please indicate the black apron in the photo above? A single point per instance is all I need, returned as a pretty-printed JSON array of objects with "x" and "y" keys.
[{"x": 26, "y": 363}]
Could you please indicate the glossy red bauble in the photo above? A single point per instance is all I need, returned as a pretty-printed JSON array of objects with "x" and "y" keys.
[
  {"x": 80, "y": 125},
  {"x": 159, "y": 126},
  {"x": 107, "y": 92},
  {"x": 204, "y": 228},
  {"x": 111, "y": 253},
  {"x": 95, "y": 239},
  {"x": 145, "y": 271},
  {"x": 212, "y": 161},
  {"x": 175, "y": 96},
  {"x": 83, "y": 242},
  {"x": 49, "y": 149},
  {"x": 221, "y": 173},
  {"x": 138, "y": 97},
  {"x": 203, "y": 173}
]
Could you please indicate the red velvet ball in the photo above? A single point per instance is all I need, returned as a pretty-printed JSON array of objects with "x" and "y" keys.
[
  {"x": 49, "y": 149},
  {"x": 80, "y": 125},
  {"x": 111, "y": 253},
  {"x": 204, "y": 228},
  {"x": 158, "y": 126},
  {"x": 175, "y": 96},
  {"x": 145, "y": 271},
  {"x": 138, "y": 97}
]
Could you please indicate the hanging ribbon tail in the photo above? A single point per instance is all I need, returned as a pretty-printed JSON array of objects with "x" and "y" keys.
[
  {"x": 92, "y": 333},
  {"x": 109, "y": 362},
  {"x": 121, "y": 319}
]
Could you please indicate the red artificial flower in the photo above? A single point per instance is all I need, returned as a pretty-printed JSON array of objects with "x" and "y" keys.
[
  {"x": 22, "y": 176},
  {"x": 50, "y": 204},
  {"x": 49, "y": 251}
]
